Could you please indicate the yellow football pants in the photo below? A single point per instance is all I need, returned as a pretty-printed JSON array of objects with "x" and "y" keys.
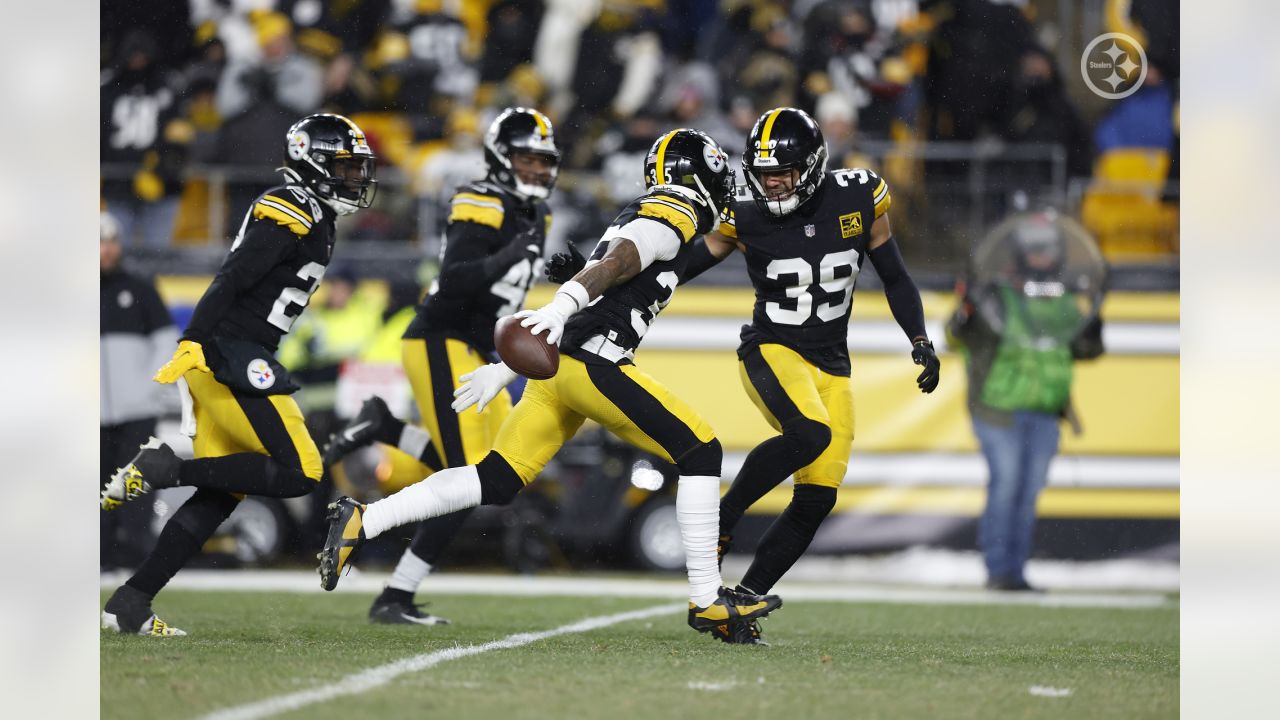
[{"x": 433, "y": 366}]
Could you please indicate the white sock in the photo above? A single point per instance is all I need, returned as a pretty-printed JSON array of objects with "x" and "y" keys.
[
  {"x": 447, "y": 491},
  {"x": 410, "y": 572},
  {"x": 414, "y": 440},
  {"x": 698, "y": 512}
]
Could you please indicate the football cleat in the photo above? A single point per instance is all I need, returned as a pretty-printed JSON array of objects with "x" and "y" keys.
[
  {"x": 359, "y": 432},
  {"x": 732, "y": 607},
  {"x": 747, "y": 633},
  {"x": 345, "y": 537},
  {"x": 723, "y": 546},
  {"x": 384, "y": 612},
  {"x": 155, "y": 466},
  {"x": 128, "y": 612}
]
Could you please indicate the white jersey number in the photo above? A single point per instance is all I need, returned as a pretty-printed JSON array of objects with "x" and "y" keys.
[
  {"x": 803, "y": 292},
  {"x": 312, "y": 271}
]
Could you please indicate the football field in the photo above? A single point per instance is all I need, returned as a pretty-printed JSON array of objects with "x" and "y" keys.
[{"x": 893, "y": 654}]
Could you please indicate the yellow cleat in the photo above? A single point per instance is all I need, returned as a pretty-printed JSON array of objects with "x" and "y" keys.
[
  {"x": 732, "y": 607},
  {"x": 345, "y": 537}
]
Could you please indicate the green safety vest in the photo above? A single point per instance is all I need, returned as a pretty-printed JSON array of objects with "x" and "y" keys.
[{"x": 1032, "y": 365}]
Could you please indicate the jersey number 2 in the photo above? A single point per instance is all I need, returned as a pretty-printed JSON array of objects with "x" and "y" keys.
[
  {"x": 279, "y": 316},
  {"x": 803, "y": 291}
]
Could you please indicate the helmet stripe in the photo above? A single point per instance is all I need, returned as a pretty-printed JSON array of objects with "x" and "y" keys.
[
  {"x": 542, "y": 123},
  {"x": 662, "y": 153},
  {"x": 768, "y": 129}
]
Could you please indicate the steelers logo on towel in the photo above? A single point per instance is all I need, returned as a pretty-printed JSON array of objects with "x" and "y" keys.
[{"x": 260, "y": 374}]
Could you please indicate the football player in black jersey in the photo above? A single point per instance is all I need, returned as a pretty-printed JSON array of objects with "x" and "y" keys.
[
  {"x": 249, "y": 436},
  {"x": 494, "y": 239},
  {"x": 598, "y": 318},
  {"x": 805, "y": 233}
]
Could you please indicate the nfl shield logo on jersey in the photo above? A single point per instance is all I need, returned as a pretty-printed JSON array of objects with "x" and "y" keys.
[{"x": 809, "y": 231}]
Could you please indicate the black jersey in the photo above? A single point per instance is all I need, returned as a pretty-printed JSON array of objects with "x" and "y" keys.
[
  {"x": 274, "y": 266},
  {"x": 470, "y": 294},
  {"x": 804, "y": 266},
  {"x": 622, "y": 314}
]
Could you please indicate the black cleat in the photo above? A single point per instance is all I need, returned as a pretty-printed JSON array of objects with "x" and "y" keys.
[
  {"x": 397, "y": 612},
  {"x": 128, "y": 612},
  {"x": 732, "y": 607},
  {"x": 359, "y": 432},
  {"x": 747, "y": 633},
  {"x": 155, "y": 466},
  {"x": 723, "y": 546},
  {"x": 1011, "y": 584},
  {"x": 345, "y": 537}
]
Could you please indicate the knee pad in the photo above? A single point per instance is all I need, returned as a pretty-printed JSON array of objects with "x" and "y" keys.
[
  {"x": 808, "y": 437},
  {"x": 810, "y": 504},
  {"x": 499, "y": 482},
  {"x": 204, "y": 511},
  {"x": 702, "y": 460}
]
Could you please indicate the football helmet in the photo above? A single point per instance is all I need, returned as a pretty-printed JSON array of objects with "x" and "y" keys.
[
  {"x": 520, "y": 130},
  {"x": 691, "y": 159},
  {"x": 330, "y": 156},
  {"x": 785, "y": 139}
]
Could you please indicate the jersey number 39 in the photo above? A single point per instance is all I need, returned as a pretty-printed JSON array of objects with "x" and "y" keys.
[{"x": 831, "y": 279}]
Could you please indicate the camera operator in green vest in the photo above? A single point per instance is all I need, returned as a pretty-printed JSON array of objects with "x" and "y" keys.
[{"x": 1029, "y": 310}]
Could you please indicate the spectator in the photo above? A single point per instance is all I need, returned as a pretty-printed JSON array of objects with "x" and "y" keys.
[
  {"x": 444, "y": 170},
  {"x": 136, "y": 337},
  {"x": 692, "y": 98},
  {"x": 283, "y": 75},
  {"x": 143, "y": 144},
  {"x": 1021, "y": 330},
  {"x": 512, "y": 32},
  {"x": 1142, "y": 120},
  {"x": 1039, "y": 111}
]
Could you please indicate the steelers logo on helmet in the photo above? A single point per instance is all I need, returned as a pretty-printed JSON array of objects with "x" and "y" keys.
[
  {"x": 522, "y": 130},
  {"x": 784, "y": 140},
  {"x": 329, "y": 156},
  {"x": 691, "y": 159}
]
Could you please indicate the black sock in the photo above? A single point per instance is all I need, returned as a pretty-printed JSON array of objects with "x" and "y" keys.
[
  {"x": 395, "y": 595},
  {"x": 772, "y": 461},
  {"x": 174, "y": 549},
  {"x": 434, "y": 535},
  {"x": 247, "y": 473},
  {"x": 789, "y": 536}
]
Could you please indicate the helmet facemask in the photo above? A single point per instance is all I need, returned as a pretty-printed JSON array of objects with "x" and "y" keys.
[
  {"x": 523, "y": 131},
  {"x": 330, "y": 157},
  {"x": 811, "y": 173},
  {"x": 350, "y": 185}
]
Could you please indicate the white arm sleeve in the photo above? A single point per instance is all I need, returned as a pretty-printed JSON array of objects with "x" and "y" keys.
[{"x": 652, "y": 239}]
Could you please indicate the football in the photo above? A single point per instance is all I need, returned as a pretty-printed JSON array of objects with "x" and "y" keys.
[{"x": 523, "y": 352}]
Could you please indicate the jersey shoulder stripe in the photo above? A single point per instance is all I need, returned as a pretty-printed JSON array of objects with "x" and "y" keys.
[
  {"x": 278, "y": 199},
  {"x": 881, "y": 197},
  {"x": 271, "y": 208},
  {"x": 729, "y": 223},
  {"x": 482, "y": 208},
  {"x": 670, "y": 215}
]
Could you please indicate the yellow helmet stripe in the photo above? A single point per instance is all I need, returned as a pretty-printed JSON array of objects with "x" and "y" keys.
[
  {"x": 662, "y": 154},
  {"x": 542, "y": 123},
  {"x": 768, "y": 129}
]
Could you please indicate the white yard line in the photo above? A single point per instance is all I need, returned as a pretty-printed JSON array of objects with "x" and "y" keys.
[
  {"x": 515, "y": 585},
  {"x": 383, "y": 674}
]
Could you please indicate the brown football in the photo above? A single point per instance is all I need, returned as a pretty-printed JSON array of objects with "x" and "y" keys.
[{"x": 523, "y": 352}]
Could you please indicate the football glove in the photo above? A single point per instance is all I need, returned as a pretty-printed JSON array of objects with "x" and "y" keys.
[
  {"x": 562, "y": 267},
  {"x": 922, "y": 354},
  {"x": 188, "y": 355},
  {"x": 551, "y": 317},
  {"x": 481, "y": 385}
]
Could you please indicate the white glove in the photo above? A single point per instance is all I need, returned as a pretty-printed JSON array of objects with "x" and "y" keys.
[
  {"x": 481, "y": 385},
  {"x": 551, "y": 317}
]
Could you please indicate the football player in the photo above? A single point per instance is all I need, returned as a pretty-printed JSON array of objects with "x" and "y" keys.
[
  {"x": 805, "y": 233},
  {"x": 495, "y": 235},
  {"x": 249, "y": 435},
  {"x": 598, "y": 318}
]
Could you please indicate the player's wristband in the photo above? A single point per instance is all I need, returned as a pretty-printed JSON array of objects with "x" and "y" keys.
[{"x": 571, "y": 297}]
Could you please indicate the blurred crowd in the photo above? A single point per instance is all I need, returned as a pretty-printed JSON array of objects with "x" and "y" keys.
[{"x": 217, "y": 83}]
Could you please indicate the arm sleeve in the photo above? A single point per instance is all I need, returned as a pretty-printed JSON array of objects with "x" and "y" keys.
[
  {"x": 899, "y": 289},
  {"x": 263, "y": 247},
  {"x": 467, "y": 263},
  {"x": 700, "y": 261},
  {"x": 653, "y": 240}
]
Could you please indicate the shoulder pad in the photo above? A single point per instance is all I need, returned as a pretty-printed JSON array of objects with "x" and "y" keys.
[
  {"x": 868, "y": 180},
  {"x": 478, "y": 203},
  {"x": 288, "y": 206},
  {"x": 728, "y": 223},
  {"x": 684, "y": 215}
]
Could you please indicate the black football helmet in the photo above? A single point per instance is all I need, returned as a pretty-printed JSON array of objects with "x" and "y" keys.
[
  {"x": 782, "y": 139},
  {"x": 520, "y": 130},
  {"x": 329, "y": 155},
  {"x": 691, "y": 159}
]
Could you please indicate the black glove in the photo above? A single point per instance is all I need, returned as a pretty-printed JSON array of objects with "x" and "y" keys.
[
  {"x": 563, "y": 266},
  {"x": 922, "y": 354},
  {"x": 524, "y": 246}
]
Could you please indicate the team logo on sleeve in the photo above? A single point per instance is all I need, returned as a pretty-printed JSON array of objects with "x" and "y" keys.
[
  {"x": 851, "y": 224},
  {"x": 260, "y": 374},
  {"x": 299, "y": 144}
]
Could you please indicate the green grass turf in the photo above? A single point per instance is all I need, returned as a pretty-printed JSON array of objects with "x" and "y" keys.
[{"x": 826, "y": 660}]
